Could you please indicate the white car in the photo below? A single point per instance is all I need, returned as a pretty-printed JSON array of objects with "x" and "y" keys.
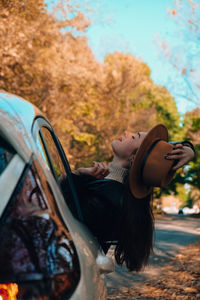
[{"x": 45, "y": 252}]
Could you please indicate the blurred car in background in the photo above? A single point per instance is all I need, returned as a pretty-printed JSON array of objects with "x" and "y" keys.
[{"x": 45, "y": 252}]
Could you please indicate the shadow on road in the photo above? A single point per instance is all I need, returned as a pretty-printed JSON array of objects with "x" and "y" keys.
[{"x": 172, "y": 233}]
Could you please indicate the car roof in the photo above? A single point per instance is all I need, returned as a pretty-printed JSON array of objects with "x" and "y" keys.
[{"x": 16, "y": 119}]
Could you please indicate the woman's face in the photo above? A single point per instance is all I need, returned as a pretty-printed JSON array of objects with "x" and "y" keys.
[{"x": 127, "y": 145}]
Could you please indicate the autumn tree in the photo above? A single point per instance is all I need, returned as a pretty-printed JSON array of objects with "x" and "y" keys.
[
  {"x": 183, "y": 56},
  {"x": 48, "y": 67},
  {"x": 183, "y": 53},
  {"x": 192, "y": 176},
  {"x": 88, "y": 103},
  {"x": 124, "y": 98}
]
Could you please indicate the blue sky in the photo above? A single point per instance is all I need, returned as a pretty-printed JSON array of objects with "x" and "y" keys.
[{"x": 134, "y": 26}]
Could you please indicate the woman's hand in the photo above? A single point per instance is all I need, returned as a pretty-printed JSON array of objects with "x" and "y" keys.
[
  {"x": 183, "y": 154},
  {"x": 99, "y": 170}
]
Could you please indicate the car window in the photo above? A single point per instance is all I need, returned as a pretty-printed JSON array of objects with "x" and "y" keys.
[
  {"x": 51, "y": 155},
  {"x": 54, "y": 155},
  {"x": 6, "y": 154},
  {"x": 35, "y": 242},
  {"x": 51, "y": 151}
]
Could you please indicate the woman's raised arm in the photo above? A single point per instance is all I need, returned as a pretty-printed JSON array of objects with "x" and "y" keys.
[{"x": 99, "y": 170}]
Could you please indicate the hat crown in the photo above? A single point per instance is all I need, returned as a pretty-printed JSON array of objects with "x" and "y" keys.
[
  {"x": 157, "y": 170},
  {"x": 150, "y": 168}
]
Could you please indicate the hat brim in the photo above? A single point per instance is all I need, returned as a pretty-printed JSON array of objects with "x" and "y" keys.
[{"x": 137, "y": 187}]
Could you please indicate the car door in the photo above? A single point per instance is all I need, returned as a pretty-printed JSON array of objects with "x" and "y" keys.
[
  {"x": 38, "y": 258},
  {"x": 55, "y": 159}
]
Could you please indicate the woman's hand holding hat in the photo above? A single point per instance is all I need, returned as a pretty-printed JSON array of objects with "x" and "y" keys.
[
  {"x": 183, "y": 155},
  {"x": 150, "y": 167}
]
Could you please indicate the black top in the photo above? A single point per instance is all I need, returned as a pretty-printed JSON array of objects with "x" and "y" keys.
[{"x": 101, "y": 205}]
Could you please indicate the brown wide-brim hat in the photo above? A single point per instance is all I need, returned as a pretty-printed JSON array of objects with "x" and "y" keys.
[{"x": 150, "y": 168}]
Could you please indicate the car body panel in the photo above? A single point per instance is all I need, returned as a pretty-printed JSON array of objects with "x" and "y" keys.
[
  {"x": 13, "y": 128},
  {"x": 9, "y": 180},
  {"x": 16, "y": 121},
  {"x": 21, "y": 108}
]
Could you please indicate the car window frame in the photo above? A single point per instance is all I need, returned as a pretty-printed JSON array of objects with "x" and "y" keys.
[
  {"x": 38, "y": 123},
  {"x": 9, "y": 179}
]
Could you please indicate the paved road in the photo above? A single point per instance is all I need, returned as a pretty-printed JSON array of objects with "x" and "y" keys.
[{"x": 172, "y": 233}]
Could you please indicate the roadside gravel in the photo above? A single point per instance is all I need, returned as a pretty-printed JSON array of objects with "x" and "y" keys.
[{"x": 179, "y": 279}]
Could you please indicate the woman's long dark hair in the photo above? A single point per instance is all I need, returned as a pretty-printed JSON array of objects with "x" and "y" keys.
[{"x": 136, "y": 231}]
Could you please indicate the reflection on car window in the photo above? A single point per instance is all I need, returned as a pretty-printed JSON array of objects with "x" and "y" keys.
[
  {"x": 51, "y": 156},
  {"x": 6, "y": 154},
  {"x": 41, "y": 148},
  {"x": 35, "y": 242},
  {"x": 53, "y": 153}
]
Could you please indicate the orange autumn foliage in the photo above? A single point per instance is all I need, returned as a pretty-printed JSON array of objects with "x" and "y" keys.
[{"x": 87, "y": 102}]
